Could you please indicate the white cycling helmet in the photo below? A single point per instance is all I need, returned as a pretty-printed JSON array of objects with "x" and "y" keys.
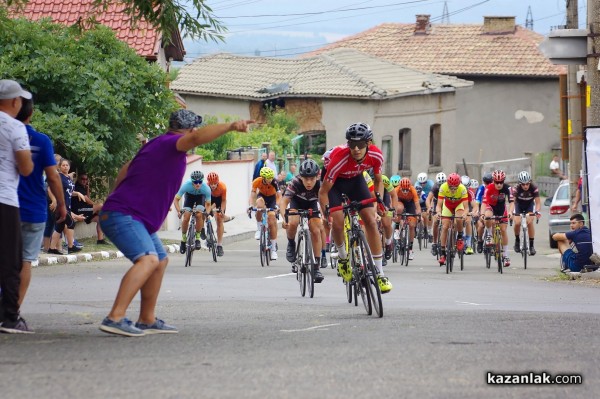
[
  {"x": 466, "y": 181},
  {"x": 441, "y": 178},
  {"x": 524, "y": 177},
  {"x": 474, "y": 184},
  {"x": 422, "y": 177}
]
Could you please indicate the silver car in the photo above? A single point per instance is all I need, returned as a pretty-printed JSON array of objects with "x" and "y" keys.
[{"x": 559, "y": 214}]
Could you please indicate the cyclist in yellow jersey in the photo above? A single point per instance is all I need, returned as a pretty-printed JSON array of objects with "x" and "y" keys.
[{"x": 452, "y": 199}]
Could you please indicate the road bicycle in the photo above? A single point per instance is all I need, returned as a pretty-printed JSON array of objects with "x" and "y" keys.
[
  {"x": 402, "y": 244},
  {"x": 451, "y": 250},
  {"x": 305, "y": 259},
  {"x": 265, "y": 240},
  {"x": 364, "y": 274},
  {"x": 421, "y": 233},
  {"x": 524, "y": 229},
  {"x": 190, "y": 244},
  {"x": 493, "y": 243},
  {"x": 211, "y": 239}
]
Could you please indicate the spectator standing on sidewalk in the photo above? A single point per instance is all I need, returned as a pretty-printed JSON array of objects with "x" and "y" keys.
[
  {"x": 270, "y": 163},
  {"x": 259, "y": 165},
  {"x": 87, "y": 207},
  {"x": 50, "y": 218},
  {"x": 15, "y": 159},
  {"x": 32, "y": 195},
  {"x": 132, "y": 228}
]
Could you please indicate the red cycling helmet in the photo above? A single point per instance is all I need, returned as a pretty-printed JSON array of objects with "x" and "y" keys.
[
  {"x": 405, "y": 183},
  {"x": 499, "y": 176},
  {"x": 453, "y": 180},
  {"x": 212, "y": 178}
]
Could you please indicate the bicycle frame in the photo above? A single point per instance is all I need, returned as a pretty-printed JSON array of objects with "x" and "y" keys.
[
  {"x": 264, "y": 242},
  {"x": 496, "y": 249},
  {"x": 305, "y": 259},
  {"x": 191, "y": 238}
]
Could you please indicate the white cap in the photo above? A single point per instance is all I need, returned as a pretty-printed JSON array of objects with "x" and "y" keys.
[{"x": 10, "y": 89}]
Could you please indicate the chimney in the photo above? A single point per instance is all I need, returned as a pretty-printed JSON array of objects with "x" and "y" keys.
[
  {"x": 498, "y": 25},
  {"x": 422, "y": 26}
]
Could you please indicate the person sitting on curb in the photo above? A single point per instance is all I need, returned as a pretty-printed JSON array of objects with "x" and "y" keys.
[
  {"x": 575, "y": 246},
  {"x": 555, "y": 168}
]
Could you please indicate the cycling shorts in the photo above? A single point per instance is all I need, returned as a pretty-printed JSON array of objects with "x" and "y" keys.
[
  {"x": 216, "y": 201},
  {"x": 447, "y": 212},
  {"x": 191, "y": 200},
  {"x": 524, "y": 207},
  {"x": 355, "y": 188},
  {"x": 270, "y": 200}
]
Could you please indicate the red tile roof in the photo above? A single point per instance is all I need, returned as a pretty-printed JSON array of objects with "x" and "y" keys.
[
  {"x": 461, "y": 50},
  {"x": 142, "y": 37}
]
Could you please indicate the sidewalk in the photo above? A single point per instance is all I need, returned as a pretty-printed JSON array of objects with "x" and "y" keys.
[{"x": 239, "y": 228}]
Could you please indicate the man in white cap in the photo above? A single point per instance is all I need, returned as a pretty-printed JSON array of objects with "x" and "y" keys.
[{"x": 15, "y": 159}]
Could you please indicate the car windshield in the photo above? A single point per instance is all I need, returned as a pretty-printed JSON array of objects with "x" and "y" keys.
[{"x": 563, "y": 193}]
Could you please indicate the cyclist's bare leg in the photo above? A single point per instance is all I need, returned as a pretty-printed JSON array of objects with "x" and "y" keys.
[
  {"x": 444, "y": 232},
  {"x": 337, "y": 233},
  {"x": 292, "y": 226},
  {"x": 199, "y": 223},
  {"x": 315, "y": 226},
  {"x": 517, "y": 225},
  {"x": 272, "y": 221},
  {"x": 260, "y": 203},
  {"x": 373, "y": 239},
  {"x": 135, "y": 278},
  {"x": 386, "y": 222},
  {"x": 530, "y": 227},
  {"x": 149, "y": 293},
  {"x": 185, "y": 222},
  {"x": 459, "y": 220},
  {"x": 220, "y": 228},
  {"x": 436, "y": 228}
]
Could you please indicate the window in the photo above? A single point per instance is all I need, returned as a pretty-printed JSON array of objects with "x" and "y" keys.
[
  {"x": 404, "y": 142},
  {"x": 386, "y": 149},
  {"x": 435, "y": 145}
]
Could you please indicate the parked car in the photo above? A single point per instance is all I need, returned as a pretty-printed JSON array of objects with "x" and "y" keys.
[{"x": 559, "y": 211}]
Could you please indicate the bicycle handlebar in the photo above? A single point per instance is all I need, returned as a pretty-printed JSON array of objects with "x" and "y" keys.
[{"x": 301, "y": 212}]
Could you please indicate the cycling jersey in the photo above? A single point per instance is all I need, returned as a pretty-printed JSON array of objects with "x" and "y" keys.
[
  {"x": 480, "y": 193},
  {"x": 342, "y": 165},
  {"x": 302, "y": 198},
  {"x": 453, "y": 198},
  {"x": 525, "y": 197},
  {"x": 188, "y": 188},
  {"x": 220, "y": 191},
  {"x": 426, "y": 188},
  {"x": 406, "y": 197},
  {"x": 369, "y": 181},
  {"x": 497, "y": 198},
  {"x": 266, "y": 189}
]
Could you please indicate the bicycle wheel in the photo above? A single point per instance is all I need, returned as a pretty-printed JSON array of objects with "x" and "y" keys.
[
  {"x": 396, "y": 248},
  {"x": 498, "y": 247},
  {"x": 211, "y": 240},
  {"x": 263, "y": 249},
  {"x": 450, "y": 251},
  {"x": 406, "y": 245},
  {"x": 349, "y": 293},
  {"x": 420, "y": 235},
  {"x": 309, "y": 265},
  {"x": 488, "y": 257},
  {"x": 425, "y": 236},
  {"x": 190, "y": 246},
  {"x": 369, "y": 276},
  {"x": 357, "y": 276},
  {"x": 300, "y": 269},
  {"x": 525, "y": 247}
]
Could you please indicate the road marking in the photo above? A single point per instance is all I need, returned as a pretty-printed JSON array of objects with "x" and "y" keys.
[
  {"x": 324, "y": 326},
  {"x": 472, "y": 303},
  {"x": 282, "y": 275}
]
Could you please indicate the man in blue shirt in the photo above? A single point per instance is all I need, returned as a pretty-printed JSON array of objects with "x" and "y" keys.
[{"x": 575, "y": 246}]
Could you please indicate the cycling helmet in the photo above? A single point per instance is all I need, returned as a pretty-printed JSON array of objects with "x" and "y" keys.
[
  {"x": 422, "y": 177},
  {"x": 405, "y": 183},
  {"x": 440, "y": 178},
  {"x": 466, "y": 181},
  {"x": 212, "y": 178},
  {"x": 197, "y": 175},
  {"x": 267, "y": 173},
  {"x": 395, "y": 180},
  {"x": 487, "y": 178},
  {"x": 453, "y": 180},
  {"x": 419, "y": 189},
  {"x": 308, "y": 168},
  {"x": 474, "y": 184},
  {"x": 359, "y": 132},
  {"x": 524, "y": 177},
  {"x": 499, "y": 175},
  {"x": 386, "y": 180}
]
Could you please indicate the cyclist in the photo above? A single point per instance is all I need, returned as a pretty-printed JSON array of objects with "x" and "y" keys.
[
  {"x": 487, "y": 179},
  {"x": 302, "y": 192},
  {"x": 526, "y": 199},
  {"x": 451, "y": 201},
  {"x": 497, "y": 201},
  {"x": 197, "y": 193},
  {"x": 390, "y": 200},
  {"x": 265, "y": 194},
  {"x": 426, "y": 185},
  {"x": 344, "y": 175},
  {"x": 408, "y": 201},
  {"x": 431, "y": 203},
  {"x": 466, "y": 181},
  {"x": 218, "y": 191}
]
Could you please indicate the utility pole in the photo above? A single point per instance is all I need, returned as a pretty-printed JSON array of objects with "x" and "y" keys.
[
  {"x": 593, "y": 75},
  {"x": 529, "y": 19},
  {"x": 574, "y": 128}
]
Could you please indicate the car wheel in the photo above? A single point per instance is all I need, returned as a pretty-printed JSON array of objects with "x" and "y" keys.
[{"x": 553, "y": 244}]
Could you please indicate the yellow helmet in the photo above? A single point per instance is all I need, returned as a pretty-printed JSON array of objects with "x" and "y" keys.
[{"x": 267, "y": 173}]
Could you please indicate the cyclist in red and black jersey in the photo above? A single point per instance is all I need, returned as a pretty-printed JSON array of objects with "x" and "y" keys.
[
  {"x": 527, "y": 198},
  {"x": 344, "y": 175},
  {"x": 497, "y": 199}
]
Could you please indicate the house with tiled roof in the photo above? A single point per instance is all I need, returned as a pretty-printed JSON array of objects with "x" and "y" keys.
[
  {"x": 327, "y": 93},
  {"x": 514, "y": 104},
  {"x": 141, "y": 36}
]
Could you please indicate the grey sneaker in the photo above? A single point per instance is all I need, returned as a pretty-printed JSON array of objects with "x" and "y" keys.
[
  {"x": 15, "y": 327},
  {"x": 324, "y": 262},
  {"x": 159, "y": 327},
  {"x": 219, "y": 250},
  {"x": 121, "y": 327}
]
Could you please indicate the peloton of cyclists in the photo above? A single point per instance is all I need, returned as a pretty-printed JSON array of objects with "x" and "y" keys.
[
  {"x": 344, "y": 175},
  {"x": 302, "y": 193}
]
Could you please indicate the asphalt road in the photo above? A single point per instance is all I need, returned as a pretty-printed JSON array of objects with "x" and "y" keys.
[{"x": 246, "y": 332}]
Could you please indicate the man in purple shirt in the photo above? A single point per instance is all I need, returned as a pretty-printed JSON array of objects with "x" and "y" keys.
[{"x": 132, "y": 228}]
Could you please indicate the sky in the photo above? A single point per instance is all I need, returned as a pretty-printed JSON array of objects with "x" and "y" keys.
[{"x": 288, "y": 28}]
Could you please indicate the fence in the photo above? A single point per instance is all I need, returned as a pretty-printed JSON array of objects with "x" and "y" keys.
[
  {"x": 512, "y": 168},
  {"x": 547, "y": 185}
]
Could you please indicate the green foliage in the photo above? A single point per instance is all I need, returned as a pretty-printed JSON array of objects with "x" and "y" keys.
[{"x": 92, "y": 93}]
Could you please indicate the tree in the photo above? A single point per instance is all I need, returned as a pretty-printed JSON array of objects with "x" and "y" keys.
[
  {"x": 165, "y": 15},
  {"x": 92, "y": 93}
]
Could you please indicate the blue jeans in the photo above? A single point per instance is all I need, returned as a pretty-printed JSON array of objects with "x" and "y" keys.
[
  {"x": 131, "y": 236},
  {"x": 33, "y": 234}
]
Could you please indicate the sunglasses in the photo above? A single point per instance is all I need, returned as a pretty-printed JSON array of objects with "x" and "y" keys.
[
  {"x": 358, "y": 144},
  {"x": 499, "y": 182},
  {"x": 197, "y": 181},
  {"x": 525, "y": 184}
]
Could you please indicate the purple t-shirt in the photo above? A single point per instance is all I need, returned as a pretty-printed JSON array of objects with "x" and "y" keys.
[{"x": 153, "y": 178}]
